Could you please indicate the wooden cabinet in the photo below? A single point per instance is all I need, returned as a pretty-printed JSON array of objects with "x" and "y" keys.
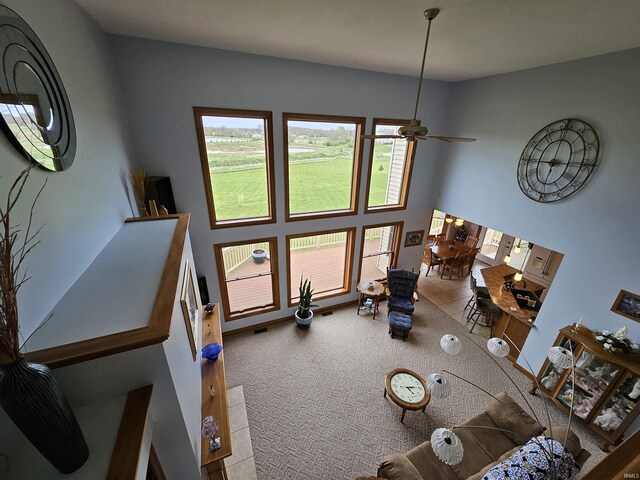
[{"x": 607, "y": 385}]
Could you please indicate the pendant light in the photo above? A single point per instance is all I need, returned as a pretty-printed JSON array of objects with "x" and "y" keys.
[
  {"x": 518, "y": 276},
  {"x": 459, "y": 222}
]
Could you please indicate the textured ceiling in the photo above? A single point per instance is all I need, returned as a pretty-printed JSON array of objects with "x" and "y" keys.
[{"x": 470, "y": 38}]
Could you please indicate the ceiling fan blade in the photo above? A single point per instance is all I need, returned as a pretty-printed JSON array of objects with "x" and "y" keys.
[
  {"x": 375, "y": 137},
  {"x": 447, "y": 139}
]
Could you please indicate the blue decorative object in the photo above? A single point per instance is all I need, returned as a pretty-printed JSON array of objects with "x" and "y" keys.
[{"x": 211, "y": 351}]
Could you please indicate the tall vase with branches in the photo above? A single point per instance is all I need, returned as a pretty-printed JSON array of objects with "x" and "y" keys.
[{"x": 29, "y": 393}]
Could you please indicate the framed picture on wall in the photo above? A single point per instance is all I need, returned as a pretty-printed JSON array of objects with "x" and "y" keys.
[
  {"x": 413, "y": 239},
  {"x": 189, "y": 304},
  {"x": 627, "y": 304}
]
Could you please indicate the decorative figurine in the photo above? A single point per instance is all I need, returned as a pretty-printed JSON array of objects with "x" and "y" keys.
[
  {"x": 576, "y": 326},
  {"x": 209, "y": 430},
  {"x": 212, "y": 391},
  {"x": 621, "y": 333},
  {"x": 608, "y": 420},
  {"x": 208, "y": 308}
]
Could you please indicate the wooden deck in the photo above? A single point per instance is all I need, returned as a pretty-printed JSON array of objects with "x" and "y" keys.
[{"x": 324, "y": 266}]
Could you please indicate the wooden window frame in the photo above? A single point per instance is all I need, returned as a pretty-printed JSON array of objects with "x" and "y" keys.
[
  {"x": 408, "y": 169},
  {"x": 396, "y": 245},
  {"x": 355, "y": 169},
  {"x": 222, "y": 278},
  {"x": 267, "y": 117},
  {"x": 348, "y": 264}
]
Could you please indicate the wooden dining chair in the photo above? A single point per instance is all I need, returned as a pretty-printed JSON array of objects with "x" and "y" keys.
[
  {"x": 441, "y": 238},
  {"x": 471, "y": 242},
  {"x": 430, "y": 259},
  {"x": 453, "y": 263},
  {"x": 470, "y": 260}
]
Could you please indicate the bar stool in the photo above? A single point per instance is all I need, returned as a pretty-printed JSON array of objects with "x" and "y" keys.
[
  {"x": 483, "y": 308},
  {"x": 483, "y": 292}
]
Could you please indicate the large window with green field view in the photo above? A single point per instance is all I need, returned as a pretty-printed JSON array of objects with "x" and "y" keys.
[
  {"x": 390, "y": 165},
  {"x": 236, "y": 151},
  {"x": 322, "y": 163},
  {"x": 324, "y": 258},
  {"x": 248, "y": 277}
]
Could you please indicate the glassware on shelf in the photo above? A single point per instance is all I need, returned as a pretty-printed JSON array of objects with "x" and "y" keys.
[{"x": 623, "y": 401}]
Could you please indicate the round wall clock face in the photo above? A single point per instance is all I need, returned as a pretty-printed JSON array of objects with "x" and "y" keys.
[
  {"x": 407, "y": 388},
  {"x": 558, "y": 160}
]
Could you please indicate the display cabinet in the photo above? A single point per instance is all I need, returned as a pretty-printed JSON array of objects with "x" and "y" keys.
[{"x": 607, "y": 384}]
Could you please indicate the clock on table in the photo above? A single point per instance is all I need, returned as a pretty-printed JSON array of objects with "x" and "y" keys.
[
  {"x": 407, "y": 389},
  {"x": 558, "y": 160}
]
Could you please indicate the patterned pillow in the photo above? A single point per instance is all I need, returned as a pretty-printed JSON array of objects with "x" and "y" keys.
[{"x": 537, "y": 460}]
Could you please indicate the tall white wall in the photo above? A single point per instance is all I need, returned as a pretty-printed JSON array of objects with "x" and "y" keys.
[
  {"x": 598, "y": 228},
  {"x": 82, "y": 208},
  {"x": 163, "y": 81}
]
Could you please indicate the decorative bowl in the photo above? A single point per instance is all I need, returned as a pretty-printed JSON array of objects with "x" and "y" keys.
[
  {"x": 211, "y": 351},
  {"x": 371, "y": 285}
]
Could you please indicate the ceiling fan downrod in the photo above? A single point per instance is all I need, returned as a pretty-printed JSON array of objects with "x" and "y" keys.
[{"x": 429, "y": 14}]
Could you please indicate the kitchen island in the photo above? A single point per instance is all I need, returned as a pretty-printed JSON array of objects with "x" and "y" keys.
[{"x": 514, "y": 322}]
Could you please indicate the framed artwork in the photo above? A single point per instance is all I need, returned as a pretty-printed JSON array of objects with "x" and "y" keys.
[
  {"x": 413, "y": 239},
  {"x": 627, "y": 304},
  {"x": 189, "y": 304}
]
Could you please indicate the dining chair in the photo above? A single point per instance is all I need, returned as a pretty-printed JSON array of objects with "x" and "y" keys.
[
  {"x": 471, "y": 242},
  {"x": 470, "y": 259},
  {"x": 430, "y": 259},
  {"x": 441, "y": 238},
  {"x": 454, "y": 263}
]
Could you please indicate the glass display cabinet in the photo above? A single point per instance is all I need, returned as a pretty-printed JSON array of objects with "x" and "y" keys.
[{"x": 607, "y": 385}]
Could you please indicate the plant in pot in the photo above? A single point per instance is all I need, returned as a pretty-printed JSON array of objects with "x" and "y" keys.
[
  {"x": 29, "y": 393},
  {"x": 259, "y": 255},
  {"x": 304, "y": 314}
]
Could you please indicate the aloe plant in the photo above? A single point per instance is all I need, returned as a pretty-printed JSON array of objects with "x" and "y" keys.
[{"x": 306, "y": 294}]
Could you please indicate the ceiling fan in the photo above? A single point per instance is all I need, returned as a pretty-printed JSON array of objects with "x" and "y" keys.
[{"x": 415, "y": 131}]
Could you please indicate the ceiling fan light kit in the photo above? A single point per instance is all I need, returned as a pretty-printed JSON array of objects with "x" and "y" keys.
[{"x": 415, "y": 130}]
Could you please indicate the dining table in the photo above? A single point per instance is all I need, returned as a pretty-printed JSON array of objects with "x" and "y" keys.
[{"x": 448, "y": 251}]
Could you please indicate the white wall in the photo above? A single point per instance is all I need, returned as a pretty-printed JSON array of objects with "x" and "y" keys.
[
  {"x": 163, "y": 81},
  {"x": 597, "y": 228},
  {"x": 83, "y": 207}
]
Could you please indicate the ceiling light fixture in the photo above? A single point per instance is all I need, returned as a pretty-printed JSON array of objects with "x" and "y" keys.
[
  {"x": 518, "y": 276},
  {"x": 415, "y": 131}
]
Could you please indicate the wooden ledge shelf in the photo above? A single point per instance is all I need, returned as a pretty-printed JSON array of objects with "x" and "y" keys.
[
  {"x": 123, "y": 301},
  {"x": 213, "y": 375}
]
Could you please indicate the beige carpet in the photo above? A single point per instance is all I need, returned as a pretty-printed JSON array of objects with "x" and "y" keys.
[{"x": 314, "y": 398}]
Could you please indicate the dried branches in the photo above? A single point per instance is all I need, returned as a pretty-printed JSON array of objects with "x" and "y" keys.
[
  {"x": 16, "y": 241},
  {"x": 139, "y": 186}
]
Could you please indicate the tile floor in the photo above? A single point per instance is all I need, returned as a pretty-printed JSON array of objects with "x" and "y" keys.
[
  {"x": 452, "y": 295},
  {"x": 241, "y": 465}
]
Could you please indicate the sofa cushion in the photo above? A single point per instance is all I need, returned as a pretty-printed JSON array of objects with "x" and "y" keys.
[
  {"x": 494, "y": 442},
  {"x": 508, "y": 415},
  {"x": 429, "y": 466},
  {"x": 474, "y": 458},
  {"x": 398, "y": 467}
]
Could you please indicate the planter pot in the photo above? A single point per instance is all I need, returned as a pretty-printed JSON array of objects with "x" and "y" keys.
[
  {"x": 303, "y": 323},
  {"x": 33, "y": 399},
  {"x": 259, "y": 255}
]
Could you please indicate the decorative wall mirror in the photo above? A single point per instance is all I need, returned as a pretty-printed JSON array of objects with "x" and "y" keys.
[{"x": 35, "y": 111}]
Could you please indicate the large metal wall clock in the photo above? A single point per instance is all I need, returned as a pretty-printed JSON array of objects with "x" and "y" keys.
[
  {"x": 35, "y": 113},
  {"x": 558, "y": 160}
]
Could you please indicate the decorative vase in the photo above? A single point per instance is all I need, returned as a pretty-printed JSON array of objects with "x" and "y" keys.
[
  {"x": 211, "y": 351},
  {"x": 304, "y": 323},
  {"x": 36, "y": 404}
]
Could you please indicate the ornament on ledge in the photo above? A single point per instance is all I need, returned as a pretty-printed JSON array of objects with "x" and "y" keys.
[{"x": 617, "y": 342}]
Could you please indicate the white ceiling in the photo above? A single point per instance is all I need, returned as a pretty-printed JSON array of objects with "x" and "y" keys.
[{"x": 470, "y": 38}]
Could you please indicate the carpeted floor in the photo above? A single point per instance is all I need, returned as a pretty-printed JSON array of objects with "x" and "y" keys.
[{"x": 314, "y": 398}]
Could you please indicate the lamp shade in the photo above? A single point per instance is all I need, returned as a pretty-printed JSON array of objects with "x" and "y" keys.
[
  {"x": 498, "y": 347},
  {"x": 459, "y": 222},
  {"x": 518, "y": 276},
  {"x": 517, "y": 249},
  {"x": 438, "y": 386},
  {"x": 561, "y": 357},
  {"x": 451, "y": 344},
  {"x": 447, "y": 446},
  {"x": 507, "y": 259},
  {"x": 448, "y": 219}
]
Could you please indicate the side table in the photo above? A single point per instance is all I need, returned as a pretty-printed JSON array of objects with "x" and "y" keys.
[{"x": 369, "y": 289}]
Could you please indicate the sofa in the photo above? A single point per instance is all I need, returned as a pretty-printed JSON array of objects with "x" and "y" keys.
[{"x": 483, "y": 447}]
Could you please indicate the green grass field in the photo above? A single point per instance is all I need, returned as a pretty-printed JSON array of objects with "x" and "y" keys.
[{"x": 319, "y": 180}]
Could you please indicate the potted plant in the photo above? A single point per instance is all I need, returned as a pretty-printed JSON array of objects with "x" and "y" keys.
[
  {"x": 304, "y": 314},
  {"x": 259, "y": 255},
  {"x": 29, "y": 393}
]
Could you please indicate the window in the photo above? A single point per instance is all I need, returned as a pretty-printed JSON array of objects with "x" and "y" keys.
[
  {"x": 380, "y": 246},
  {"x": 248, "y": 277},
  {"x": 437, "y": 222},
  {"x": 322, "y": 164},
  {"x": 390, "y": 165},
  {"x": 236, "y": 151},
  {"x": 325, "y": 258}
]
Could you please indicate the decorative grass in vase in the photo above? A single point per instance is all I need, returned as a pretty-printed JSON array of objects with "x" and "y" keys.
[
  {"x": 29, "y": 393},
  {"x": 139, "y": 186}
]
